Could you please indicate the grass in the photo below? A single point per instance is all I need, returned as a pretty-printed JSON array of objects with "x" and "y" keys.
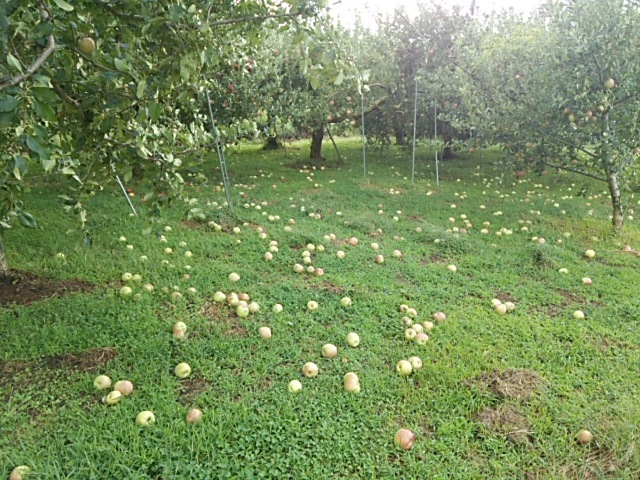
[{"x": 578, "y": 374}]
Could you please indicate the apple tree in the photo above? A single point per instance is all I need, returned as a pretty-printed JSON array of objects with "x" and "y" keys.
[
  {"x": 561, "y": 91},
  {"x": 95, "y": 87}
]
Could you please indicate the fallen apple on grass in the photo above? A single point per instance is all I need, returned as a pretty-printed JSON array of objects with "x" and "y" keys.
[
  {"x": 112, "y": 398},
  {"x": 182, "y": 370},
  {"x": 254, "y": 307},
  {"x": 145, "y": 418},
  {"x": 312, "y": 305},
  {"x": 310, "y": 370},
  {"x": 234, "y": 277},
  {"x": 421, "y": 339},
  {"x": 179, "y": 326},
  {"x": 353, "y": 340},
  {"x": 427, "y": 325},
  {"x": 585, "y": 437},
  {"x": 125, "y": 387},
  {"x": 403, "y": 367},
  {"x": 242, "y": 311},
  {"x": 277, "y": 308},
  {"x": 194, "y": 416},
  {"x": 20, "y": 473},
  {"x": 346, "y": 302},
  {"x": 264, "y": 332},
  {"x": 219, "y": 297},
  {"x": 439, "y": 317},
  {"x": 501, "y": 309},
  {"x": 590, "y": 253},
  {"x": 329, "y": 350},
  {"x": 294, "y": 386},
  {"x": 578, "y": 315},
  {"x": 404, "y": 439},
  {"x": 416, "y": 362},
  {"x": 351, "y": 383},
  {"x": 102, "y": 382}
]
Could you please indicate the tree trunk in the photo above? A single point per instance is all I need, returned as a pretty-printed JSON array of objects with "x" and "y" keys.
[
  {"x": 4, "y": 266},
  {"x": 448, "y": 151},
  {"x": 272, "y": 143},
  {"x": 316, "y": 144},
  {"x": 614, "y": 191},
  {"x": 397, "y": 128}
]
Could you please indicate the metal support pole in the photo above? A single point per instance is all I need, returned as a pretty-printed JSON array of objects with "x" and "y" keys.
[
  {"x": 415, "y": 118},
  {"x": 364, "y": 137},
  {"x": 435, "y": 130},
  {"x": 124, "y": 191},
  {"x": 221, "y": 157}
]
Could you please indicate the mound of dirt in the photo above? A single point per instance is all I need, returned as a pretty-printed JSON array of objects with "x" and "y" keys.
[
  {"x": 23, "y": 288},
  {"x": 517, "y": 384},
  {"x": 506, "y": 420}
]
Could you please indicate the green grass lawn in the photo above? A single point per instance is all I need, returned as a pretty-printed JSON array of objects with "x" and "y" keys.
[{"x": 498, "y": 397}]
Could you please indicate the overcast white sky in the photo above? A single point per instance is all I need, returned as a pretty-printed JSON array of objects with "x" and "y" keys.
[{"x": 345, "y": 10}]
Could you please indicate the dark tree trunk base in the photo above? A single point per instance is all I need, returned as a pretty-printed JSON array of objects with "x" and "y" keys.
[
  {"x": 316, "y": 144},
  {"x": 272, "y": 143}
]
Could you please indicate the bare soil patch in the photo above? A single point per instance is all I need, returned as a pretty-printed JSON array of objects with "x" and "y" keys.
[
  {"x": 221, "y": 314},
  {"x": 598, "y": 462},
  {"x": 329, "y": 287},
  {"x": 506, "y": 421},
  {"x": 435, "y": 258},
  {"x": 517, "y": 384},
  {"x": 87, "y": 361},
  {"x": 23, "y": 288},
  {"x": 191, "y": 388}
]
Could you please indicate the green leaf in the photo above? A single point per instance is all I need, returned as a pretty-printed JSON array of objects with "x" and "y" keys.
[
  {"x": 121, "y": 65},
  {"x": 44, "y": 111},
  {"x": 47, "y": 164},
  {"x": 14, "y": 62},
  {"x": 19, "y": 167},
  {"x": 142, "y": 85},
  {"x": 315, "y": 82},
  {"x": 7, "y": 119},
  {"x": 46, "y": 95},
  {"x": 155, "y": 109},
  {"x": 64, "y": 5},
  {"x": 339, "y": 79},
  {"x": 36, "y": 147},
  {"x": 26, "y": 219},
  {"x": 8, "y": 104}
]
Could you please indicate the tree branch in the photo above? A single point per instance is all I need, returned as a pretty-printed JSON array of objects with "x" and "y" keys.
[
  {"x": 65, "y": 96},
  {"x": 374, "y": 106},
  {"x": 255, "y": 18},
  {"x": 114, "y": 11},
  {"x": 46, "y": 53},
  {"x": 575, "y": 170},
  {"x": 92, "y": 61}
]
